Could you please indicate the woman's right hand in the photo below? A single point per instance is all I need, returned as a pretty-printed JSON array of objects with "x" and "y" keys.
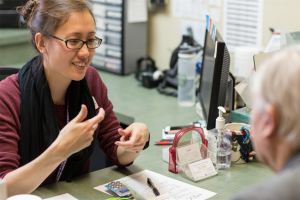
[{"x": 77, "y": 135}]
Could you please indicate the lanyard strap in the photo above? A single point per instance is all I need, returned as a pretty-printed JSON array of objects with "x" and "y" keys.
[{"x": 63, "y": 164}]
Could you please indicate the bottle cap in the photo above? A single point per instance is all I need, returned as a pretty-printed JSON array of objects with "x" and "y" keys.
[
  {"x": 186, "y": 55},
  {"x": 187, "y": 51},
  {"x": 220, "y": 121}
]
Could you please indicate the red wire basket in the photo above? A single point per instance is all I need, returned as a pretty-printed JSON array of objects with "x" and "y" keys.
[{"x": 173, "y": 167}]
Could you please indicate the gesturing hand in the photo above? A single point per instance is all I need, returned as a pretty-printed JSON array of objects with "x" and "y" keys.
[
  {"x": 134, "y": 137},
  {"x": 77, "y": 135}
]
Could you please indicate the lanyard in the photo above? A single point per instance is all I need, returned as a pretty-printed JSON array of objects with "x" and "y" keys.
[{"x": 63, "y": 164}]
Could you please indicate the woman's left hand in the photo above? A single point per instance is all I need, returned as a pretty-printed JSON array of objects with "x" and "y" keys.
[{"x": 134, "y": 137}]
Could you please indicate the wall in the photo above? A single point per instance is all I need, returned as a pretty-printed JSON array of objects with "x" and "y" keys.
[
  {"x": 15, "y": 47},
  {"x": 163, "y": 28}
]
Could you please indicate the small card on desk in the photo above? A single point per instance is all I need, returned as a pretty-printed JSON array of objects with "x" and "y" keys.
[{"x": 202, "y": 169}]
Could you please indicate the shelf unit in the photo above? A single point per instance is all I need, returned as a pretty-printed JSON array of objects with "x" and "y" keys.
[
  {"x": 9, "y": 17},
  {"x": 123, "y": 43}
]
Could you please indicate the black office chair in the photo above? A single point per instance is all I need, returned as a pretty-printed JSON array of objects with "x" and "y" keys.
[
  {"x": 7, "y": 71},
  {"x": 98, "y": 158}
]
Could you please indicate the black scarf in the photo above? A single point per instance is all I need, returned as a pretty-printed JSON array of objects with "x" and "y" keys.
[{"x": 39, "y": 125}]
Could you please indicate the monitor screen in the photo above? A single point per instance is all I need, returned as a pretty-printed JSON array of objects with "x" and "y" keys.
[
  {"x": 214, "y": 77},
  {"x": 207, "y": 74}
]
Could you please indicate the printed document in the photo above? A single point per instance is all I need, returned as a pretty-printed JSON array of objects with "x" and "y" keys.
[
  {"x": 242, "y": 23},
  {"x": 194, "y": 9},
  {"x": 170, "y": 188},
  {"x": 137, "y": 11}
]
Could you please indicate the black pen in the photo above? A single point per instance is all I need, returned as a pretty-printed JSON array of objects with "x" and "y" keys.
[{"x": 151, "y": 185}]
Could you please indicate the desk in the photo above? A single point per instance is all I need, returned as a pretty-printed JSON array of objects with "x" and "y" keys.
[{"x": 157, "y": 111}]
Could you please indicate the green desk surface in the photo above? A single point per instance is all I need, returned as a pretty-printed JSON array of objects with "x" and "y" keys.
[{"x": 157, "y": 111}]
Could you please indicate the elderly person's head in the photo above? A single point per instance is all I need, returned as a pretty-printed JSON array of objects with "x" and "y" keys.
[{"x": 275, "y": 115}]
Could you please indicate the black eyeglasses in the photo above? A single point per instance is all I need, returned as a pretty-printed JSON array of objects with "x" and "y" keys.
[{"x": 77, "y": 44}]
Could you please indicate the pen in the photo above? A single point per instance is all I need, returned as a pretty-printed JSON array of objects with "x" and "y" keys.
[
  {"x": 163, "y": 142},
  {"x": 151, "y": 185}
]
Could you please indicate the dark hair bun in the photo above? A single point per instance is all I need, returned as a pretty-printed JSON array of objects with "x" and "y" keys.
[{"x": 28, "y": 9}]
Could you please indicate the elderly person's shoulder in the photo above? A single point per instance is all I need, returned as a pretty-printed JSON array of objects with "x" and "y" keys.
[{"x": 284, "y": 186}]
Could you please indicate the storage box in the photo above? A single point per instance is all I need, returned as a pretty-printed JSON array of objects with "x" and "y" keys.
[{"x": 240, "y": 116}]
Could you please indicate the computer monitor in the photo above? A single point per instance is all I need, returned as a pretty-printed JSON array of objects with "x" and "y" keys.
[{"x": 214, "y": 77}]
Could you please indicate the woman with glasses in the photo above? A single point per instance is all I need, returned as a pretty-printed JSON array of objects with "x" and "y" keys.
[{"x": 56, "y": 107}]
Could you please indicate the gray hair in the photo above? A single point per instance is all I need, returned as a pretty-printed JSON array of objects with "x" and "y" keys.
[{"x": 277, "y": 82}]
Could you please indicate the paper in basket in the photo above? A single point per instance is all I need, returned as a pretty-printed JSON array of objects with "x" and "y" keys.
[{"x": 192, "y": 157}]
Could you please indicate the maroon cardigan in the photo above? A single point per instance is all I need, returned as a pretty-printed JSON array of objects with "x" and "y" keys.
[{"x": 10, "y": 126}]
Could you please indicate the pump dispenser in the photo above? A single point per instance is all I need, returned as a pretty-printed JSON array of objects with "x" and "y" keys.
[
  {"x": 220, "y": 121},
  {"x": 224, "y": 140}
]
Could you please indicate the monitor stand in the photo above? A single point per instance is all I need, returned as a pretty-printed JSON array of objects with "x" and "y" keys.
[{"x": 230, "y": 96}]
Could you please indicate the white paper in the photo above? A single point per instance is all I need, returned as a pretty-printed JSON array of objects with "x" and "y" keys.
[
  {"x": 242, "y": 23},
  {"x": 137, "y": 11},
  {"x": 62, "y": 197},
  {"x": 215, "y": 14},
  {"x": 194, "y": 9},
  {"x": 163, "y": 197},
  {"x": 165, "y": 185},
  {"x": 198, "y": 29},
  {"x": 202, "y": 169},
  {"x": 244, "y": 89},
  {"x": 273, "y": 44},
  {"x": 215, "y": 2},
  {"x": 188, "y": 154}
]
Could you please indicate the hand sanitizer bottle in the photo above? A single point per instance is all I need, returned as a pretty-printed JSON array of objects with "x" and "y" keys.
[{"x": 224, "y": 140}]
